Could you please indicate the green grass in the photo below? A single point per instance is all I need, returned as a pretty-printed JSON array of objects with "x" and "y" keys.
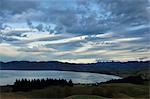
[
  {"x": 122, "y": 90},
  {"x": 103, "y": 91},
  {"x": 85, "y": 97}
]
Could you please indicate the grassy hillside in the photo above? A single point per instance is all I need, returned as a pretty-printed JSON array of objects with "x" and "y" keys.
[
  {"x": 85, "y": 97},
  {"x": 115, "y": 90}
]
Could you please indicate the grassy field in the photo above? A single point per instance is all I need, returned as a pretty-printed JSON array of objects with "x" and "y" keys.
[
  {"x": 103, "y": 91},
  {"x": 85, "y": 97}
]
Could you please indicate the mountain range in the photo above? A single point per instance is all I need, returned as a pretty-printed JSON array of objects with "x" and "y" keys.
[{"x": 114, "y": 68}]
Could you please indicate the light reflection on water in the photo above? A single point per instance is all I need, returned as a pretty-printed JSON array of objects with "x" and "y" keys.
[{"x": 9, "y": 76}]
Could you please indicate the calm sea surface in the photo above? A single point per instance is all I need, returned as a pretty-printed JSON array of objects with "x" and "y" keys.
[{"x": 9, "y": 76}]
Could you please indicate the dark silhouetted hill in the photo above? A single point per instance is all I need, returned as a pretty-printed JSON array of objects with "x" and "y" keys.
[
  {"x": 131, "y": 79},
  {"x": 116, "y": 68}
]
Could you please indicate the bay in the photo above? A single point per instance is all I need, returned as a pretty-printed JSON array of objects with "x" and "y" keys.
[{"x": 8, "y": 77}]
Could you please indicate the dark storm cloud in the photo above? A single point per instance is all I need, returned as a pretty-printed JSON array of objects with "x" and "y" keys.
[
  {"x": 18, "y": 6},
  {"x": 135, "y": 11},
  {"x": 79, "y": 16},
  {"x": 10, "y": 8},
  {"x": 97, "y": 16}
]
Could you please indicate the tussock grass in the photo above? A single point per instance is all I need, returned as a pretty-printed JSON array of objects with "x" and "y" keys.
[{"x": 113, "y": 90}]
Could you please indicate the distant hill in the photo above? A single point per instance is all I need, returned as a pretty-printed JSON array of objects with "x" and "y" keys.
[
  {"x": 131, "y": 79},
  {"x": 115, "y": 68}
]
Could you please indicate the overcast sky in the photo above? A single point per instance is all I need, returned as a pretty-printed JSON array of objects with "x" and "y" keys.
[{"x": 78, "y": 31}]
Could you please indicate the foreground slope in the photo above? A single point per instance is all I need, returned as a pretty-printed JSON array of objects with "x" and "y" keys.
[{"x": 112, "y": 90}]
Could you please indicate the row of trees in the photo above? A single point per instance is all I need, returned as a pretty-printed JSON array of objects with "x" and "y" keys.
[{"x": 27, "y": 85}]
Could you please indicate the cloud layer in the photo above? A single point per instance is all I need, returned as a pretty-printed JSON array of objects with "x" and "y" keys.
[{"x": 74, "y": 30}]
